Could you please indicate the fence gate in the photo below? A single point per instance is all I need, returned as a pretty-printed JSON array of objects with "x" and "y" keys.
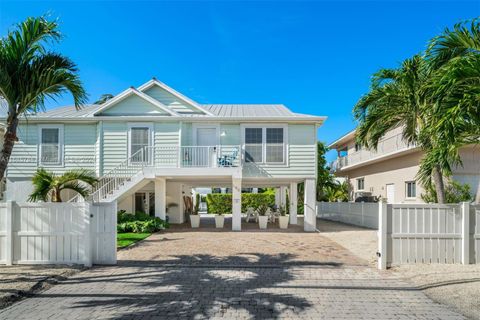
[{"x": 104, "y": 232}]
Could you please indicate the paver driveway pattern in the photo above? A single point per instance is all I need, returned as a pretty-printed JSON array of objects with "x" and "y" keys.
[{"x": 261, "y": 275}]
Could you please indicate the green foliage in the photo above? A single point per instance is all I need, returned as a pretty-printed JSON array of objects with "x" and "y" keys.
[
  {"x": 262, "y": 210},
  {"x": 282, "y": 210},
  {"x": 47, "y": 186},
  {"x": 336, "y": 192},
  {"x": 126, "y": 239},
  {"x": 139, "y": 222},
  {"x": 454, "y": 193},
  {"x": 197, "y": 203},
  {"x": 219, "y": 203}
]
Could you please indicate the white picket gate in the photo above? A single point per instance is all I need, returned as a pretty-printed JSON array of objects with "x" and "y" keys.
[
  {"x": 357, "y": 213},
  {"x": 57, "y": 233}
]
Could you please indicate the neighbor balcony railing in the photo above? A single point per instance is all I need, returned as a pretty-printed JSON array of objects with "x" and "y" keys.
[{"x": 386, "y": 146}]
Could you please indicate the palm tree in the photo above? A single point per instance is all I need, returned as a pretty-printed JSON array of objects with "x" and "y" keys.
[
  {"x": 48, "y": 187},
  {"x": 29, "y": 75},
  {"x": 456, "y": 88},
  {"x": 401, "y": 98},
  {"x": 104, "y": 98}
]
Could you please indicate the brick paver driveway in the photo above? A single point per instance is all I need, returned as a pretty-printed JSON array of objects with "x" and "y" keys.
[{"x": 208, "y": 274}]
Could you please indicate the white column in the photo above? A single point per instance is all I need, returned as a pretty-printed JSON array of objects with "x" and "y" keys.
[
  {"x": 236, "y": 204},
  {"x": 160, "y": 198},
  {"x": 309, "y": 211},
  {"x": 293, "y": 202},
  {"x": 465, "y": 209},
  {"x": 382, "y": 235},
  {"x": 283, "y": 197},
  {"x": 277, "y": 197}
]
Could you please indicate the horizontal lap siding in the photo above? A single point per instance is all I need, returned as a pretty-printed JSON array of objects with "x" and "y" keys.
[
  {"x": 301, "y": 153},
  {"x": 169, "y": 100},
  {"x": 79, "y": 150},
  {"x": 166, "y": 136},
  {"x": 114, "y": 144}
]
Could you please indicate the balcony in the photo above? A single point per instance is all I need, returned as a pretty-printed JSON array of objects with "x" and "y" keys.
[
  {"x": 219, "y": 156},
  {"x": 387, "y": 147}
]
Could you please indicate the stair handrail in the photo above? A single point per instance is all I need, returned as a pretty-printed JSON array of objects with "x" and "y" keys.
[{"x": 114, "y": 178}]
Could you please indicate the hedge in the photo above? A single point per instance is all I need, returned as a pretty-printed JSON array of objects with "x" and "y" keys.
[{"x": 222, "y": 202}]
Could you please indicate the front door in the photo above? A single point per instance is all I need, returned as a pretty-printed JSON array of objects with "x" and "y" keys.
[
  {"x": 206, "y": 142},
  {"x": 390, "y": 193}
]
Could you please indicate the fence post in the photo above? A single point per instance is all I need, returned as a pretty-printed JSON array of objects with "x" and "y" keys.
[
  {"x": 87, "y": 211},
  {"x": 9, "y": 233},
  {"x": 382, "y": 235},
  {"x": 465, "y": 209}
]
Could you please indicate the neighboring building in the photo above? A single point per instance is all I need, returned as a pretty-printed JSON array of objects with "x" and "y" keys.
[
  {"x": 390, "y": 171},
  {"x": 151, "y": 145}
]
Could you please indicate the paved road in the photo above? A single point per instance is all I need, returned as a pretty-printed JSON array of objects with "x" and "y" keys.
[{"x": 164, "y": 278}]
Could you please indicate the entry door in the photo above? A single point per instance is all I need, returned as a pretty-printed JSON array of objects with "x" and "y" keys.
[
  {"x": 390, "y": 193},
  {"x": 206, "y": 137},
  {"x": 204, "y": 155}
]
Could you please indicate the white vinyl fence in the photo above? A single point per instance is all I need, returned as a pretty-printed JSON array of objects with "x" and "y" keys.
[
  {"x": 359, "y": 214},
  {"x": 58, "y": 233},
  {"x": 416, "y": 233}
]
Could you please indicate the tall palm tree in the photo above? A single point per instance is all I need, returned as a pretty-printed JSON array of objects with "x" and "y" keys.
[
  {"x": 48, "y": 187},
  {"x": 401, "y": 98},
  {"x": 104, "y": 98},
  {"x": 29, "y": 74},
  {"x": 456, "y": 88}
]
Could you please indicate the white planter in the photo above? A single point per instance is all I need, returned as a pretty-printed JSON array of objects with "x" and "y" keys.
[
  {"x": 262, "y": 222},
  {"x": 195, "y": 220},
  {"x": 219, "y": 221},
  {"x": 283, "y": 222}
]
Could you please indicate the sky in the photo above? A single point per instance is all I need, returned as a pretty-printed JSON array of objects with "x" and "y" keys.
[{"x": 316, "y": 57}]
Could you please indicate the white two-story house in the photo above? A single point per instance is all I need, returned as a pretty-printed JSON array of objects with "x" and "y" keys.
[{"x": 151, "y": 145}]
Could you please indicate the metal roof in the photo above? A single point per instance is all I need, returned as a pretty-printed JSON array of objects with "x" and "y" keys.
[{"x": 219, "y": 110}]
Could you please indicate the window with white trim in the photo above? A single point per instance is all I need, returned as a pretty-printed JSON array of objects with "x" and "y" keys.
[
  {"x": 139, "y": 143},
  {"x": 265, "y": 145},
  {"x": 50, "y": 145},
  {"x": 361, "y": 184},
  {"x": 411, "y": 189}
]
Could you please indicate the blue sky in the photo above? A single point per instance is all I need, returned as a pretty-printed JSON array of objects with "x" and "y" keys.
[{"x": 315, "y": 57}]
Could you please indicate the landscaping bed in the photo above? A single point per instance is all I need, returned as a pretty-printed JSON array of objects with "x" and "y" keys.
[{"x": 134, "y": 227}]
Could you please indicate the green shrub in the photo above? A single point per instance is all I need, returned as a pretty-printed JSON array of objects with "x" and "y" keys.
[
  {"x": 222, "y": 203},
  {"x": 454, "y": 193},
  {"x": 139, "y": 223}
]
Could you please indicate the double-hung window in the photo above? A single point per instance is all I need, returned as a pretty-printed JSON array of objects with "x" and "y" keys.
[
  {"x": 51, "y": 145},
  {"x": 360, "y": 184},
  {"x": 265, "y": 145},
  {"x": 411, "y": 189},
  {"x": 139, "y": 151}
]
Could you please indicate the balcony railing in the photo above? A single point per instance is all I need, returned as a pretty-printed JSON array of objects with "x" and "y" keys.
[
  {"x": 189, "y": 156},
  {"x": 386, "y": 146}
]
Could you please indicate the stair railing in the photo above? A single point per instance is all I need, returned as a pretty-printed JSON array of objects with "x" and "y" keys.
[{"x": 118, "y": 176}]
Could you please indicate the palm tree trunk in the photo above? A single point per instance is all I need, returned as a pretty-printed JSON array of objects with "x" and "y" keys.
[
  {"x": 8, "y": 142},
  {"x": 439, "y": 186}
]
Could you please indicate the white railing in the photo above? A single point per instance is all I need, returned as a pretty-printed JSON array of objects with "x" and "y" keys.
[
  {"x": 163, "y": 157},
  {"x": 385, "y": 147}
]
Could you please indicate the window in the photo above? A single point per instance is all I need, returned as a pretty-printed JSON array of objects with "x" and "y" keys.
[
  {"x": 51, "y": 145},
  {"x": 139, "y": 143},
  {"x": 265, "y": 145},
  {"x": 253, "y": 144},
  {"x": 358, "y": 146},
  {"x": 411, "y": 187},
  {"x": 361, "y": 184},
  {"x": 274, "y": 147}
]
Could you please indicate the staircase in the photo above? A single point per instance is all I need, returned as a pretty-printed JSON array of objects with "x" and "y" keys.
[{"x": 126, "y": 176}]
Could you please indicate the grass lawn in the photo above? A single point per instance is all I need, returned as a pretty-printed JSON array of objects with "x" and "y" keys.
[{"x": 126, "y": 239}]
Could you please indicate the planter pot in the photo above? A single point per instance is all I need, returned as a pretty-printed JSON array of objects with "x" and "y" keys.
[
  {"x": 283, "y": 222},
  {"x": 219, "y": 221},
  {"x": 195, "y": 220},
  {"x": 262, "y": 222}
]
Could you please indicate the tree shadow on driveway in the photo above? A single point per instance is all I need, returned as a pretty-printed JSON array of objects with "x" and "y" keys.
[{"x": 196, "y": 287}]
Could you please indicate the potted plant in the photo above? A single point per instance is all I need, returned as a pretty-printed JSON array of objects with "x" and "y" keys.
[
  {"x": 219, "y": 220},
  {"x": 283, "y": 219},
  {"x": 262, "y": 216},
  {"x": 195, "y": 219}
]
